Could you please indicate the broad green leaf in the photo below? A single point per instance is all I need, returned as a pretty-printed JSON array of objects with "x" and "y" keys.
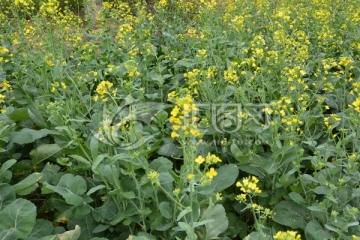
[
  {"x": 19, "y": 114},
  {"x": 44, "y": 152},
  {"x": 94, "y": 147},
  {"x": 50, "y": 173},
  {"x": 28, "y": 135},
  {"x": 314, "y": 231},
  {"x": 183, "y": 213},
  {"x": 291, "y": 214},
  {"x": 258, "y": 236},
  {"x": 70, "y": 235},
  {"x": 220, "y": 223},
  {"x": 356, "y": 193},
  {"x": 6, "y": 165},
  {"x": 5, "y": 174},
  {"x": 37, "y": 118},
  {"x": 165, "y": 209},
  {"x": 188, "y": 229},
  {"x": 19, "y": 215},
  {"x": 9, "y": 234},
  {"x": 7, "y": 194},
  {"x": 41, "y": 229},
  {"x": 321, "y": 190},
  {"x": 70, "y": 188},
  {"x": 165, "y": 178},
  {"x": 169, "y": 149},
  {"x": 161, "y": 164},
  {"x": 27, "y": 183},
  {"x": 296, "y": 197},
  {"x": 81, "y": 159},
  {"x": 225, "y": 178},
  {"x": 94, "y": 189}
]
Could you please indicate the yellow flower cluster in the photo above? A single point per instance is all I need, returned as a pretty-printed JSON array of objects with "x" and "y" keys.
[
  {"x": 124, "y": 33},
  {"x": 153, "y": 176},
  {"x": 209, "y": 159},
  {"x": 162, "y": 4},
  {"x": 55, "y": 86},
  {"x": 4, "y": 52},
  {"x": 132, "y": 68},
  {"x": 103, "y": 90},
  {"x": 5, "y": 88},
  {"x": 331, "y": 120},
  {"x": 249, "y": 185},
  {"x": 193, "y": 79},
  {"x": 50, "y": 8},
  {"x": 183, "y": 117},
  {"x": 356, "y": 105},
  {"x": 288, "y": 235}
]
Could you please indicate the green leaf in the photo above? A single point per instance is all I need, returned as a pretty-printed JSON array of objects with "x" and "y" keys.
[
  {"x": 321, "y": 190},
  {"x": 70, "y": 235},
  {"x": 258, "y": 236},
  {"x": 19, "y": 215},
  {"x": 81, "y": 159},
  {"x": 165, "y": 209},
  {"x": 94, "y": 189},
  {"x": 296, "y": 197},
  {"x": 7, "y": 194},
  {"x": 70, "y": 188},
  {"x": 41, "y": 229},
  {"x": 165, "y": 178},
  {"x": 225, "y": 178},
  {"x": 169, "y": 149},
  {"x": 291, "y": 214},
  {"x": 19, "y": 114},
  {"x": 220, "y": 223},
  {"x": 27, "y": 135},
  {"x": 43, "y": 152},
  {"x": 161, "y": 164},
  {"x": 27, "y": 183},
  {"x": 314, "y": 231},
  {"x": 6, "y": 165},
  {"x": 356, "y": 193},
  {"x": 9, "y": 234}
]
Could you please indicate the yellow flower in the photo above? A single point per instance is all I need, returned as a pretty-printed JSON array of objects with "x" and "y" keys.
[
  {"x": 153, "y": 176},
  {"x": 190, "y": 176},
  {"x": 288, "y": 235},
  {"x": 174, "y": 135},
  {"x": 200, "y": 159},
  {"x": 211, "y": 173}
]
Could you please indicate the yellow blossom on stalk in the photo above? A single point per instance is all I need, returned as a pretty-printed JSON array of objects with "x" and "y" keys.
[
  {"x": 103, "y": 89},
  {"x": 132, "y": 68},
  {"x": 5, "y": 86},
  {"x": 288, "y": 235},
  {"x": 190, "y": 176},
  {"x": 184, "y": 123},
  {"x": 212, "y": 159},
  {"x": 163, "y": 4},
  {"x": 2, "y": 97},
  {"x": 201, "y": 53},
  {"x": 211, "y": 173},
  {"x": 249, "y": 185},
  {"x": 332, "y": 119},
  {"x": 356, "y": 105},
  {"x": 230, "y": 75},
  {"x": 153, "y": 176},
  {"x": 200, "y": 159}
]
